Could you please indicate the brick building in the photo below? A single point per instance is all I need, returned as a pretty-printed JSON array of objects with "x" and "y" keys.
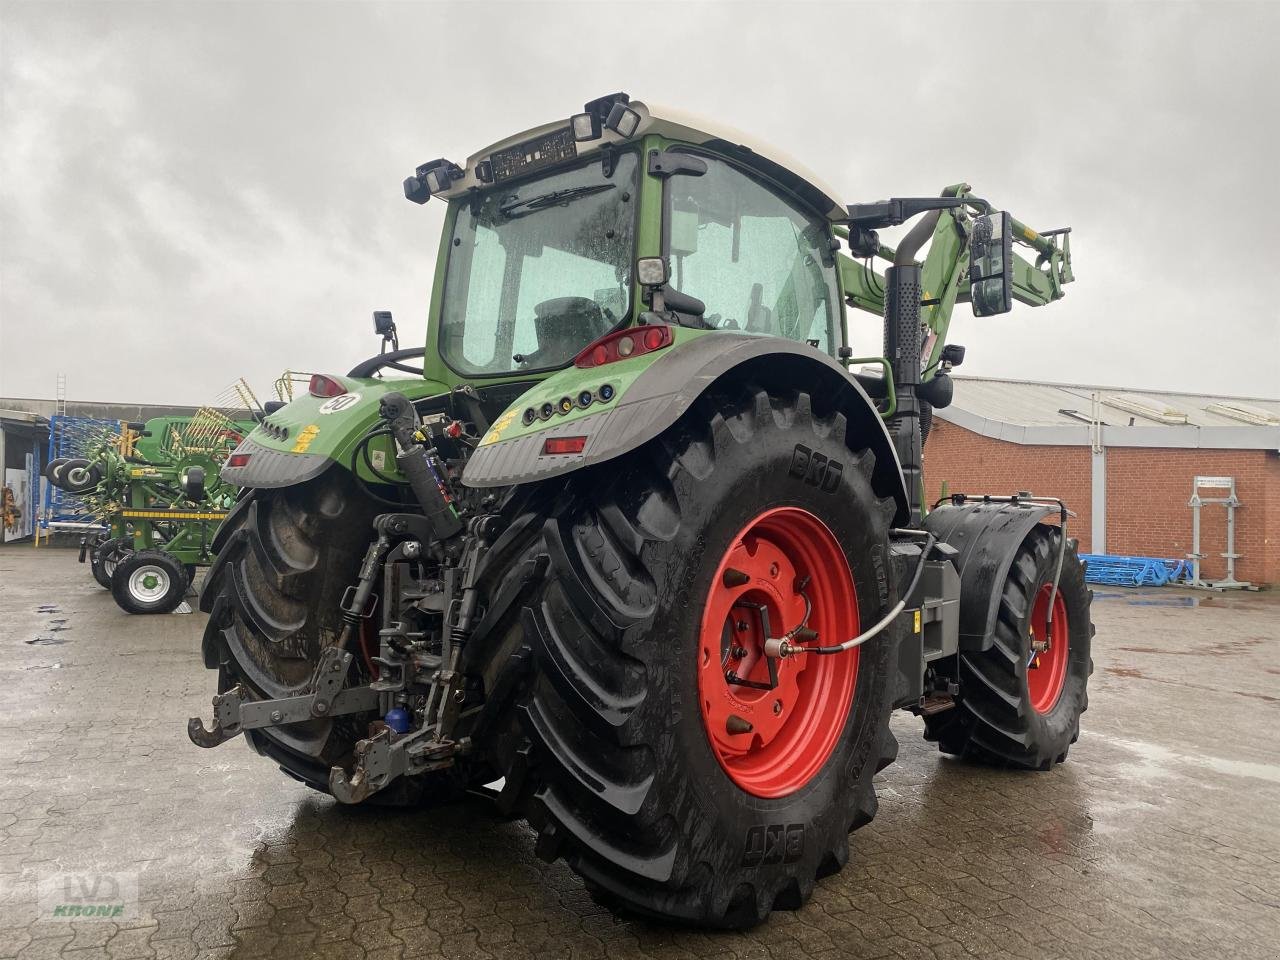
[{"x": 1124, "y": 460}]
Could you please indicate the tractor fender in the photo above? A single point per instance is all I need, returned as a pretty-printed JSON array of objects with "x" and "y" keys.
[
  {"x": 987, "y": 536},
  {"x": 665, "y": 390}
]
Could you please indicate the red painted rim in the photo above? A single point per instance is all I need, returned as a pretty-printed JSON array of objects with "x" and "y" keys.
[
  {"x": 1047, "y": 671},
  {"x": 794, "y": 727}
]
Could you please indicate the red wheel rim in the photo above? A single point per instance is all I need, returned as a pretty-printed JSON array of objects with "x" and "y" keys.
[
  {"x": 794, "y": 727},
  {"x": 1047, "y": 671}
]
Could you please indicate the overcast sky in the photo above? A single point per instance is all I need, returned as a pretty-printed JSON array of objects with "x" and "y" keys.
[{"x": 192, "y": 192}]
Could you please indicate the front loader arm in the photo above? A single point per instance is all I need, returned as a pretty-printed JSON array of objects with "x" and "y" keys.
[{"x": 945, "y": 271}]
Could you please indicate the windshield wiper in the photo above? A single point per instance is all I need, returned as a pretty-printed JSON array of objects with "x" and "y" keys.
[{"x": 516, "y": 207}]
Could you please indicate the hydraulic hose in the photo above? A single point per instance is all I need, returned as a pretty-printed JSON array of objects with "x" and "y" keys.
[{"x": 783, "y": 648}]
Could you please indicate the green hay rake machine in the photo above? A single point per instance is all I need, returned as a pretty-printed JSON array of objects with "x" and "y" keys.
[
  {"x": 157, "y": 489},
  {"x": 637, "y": 543}
]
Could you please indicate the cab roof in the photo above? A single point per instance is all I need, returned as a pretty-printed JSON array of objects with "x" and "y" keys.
[{"x": 674, "y": 124}]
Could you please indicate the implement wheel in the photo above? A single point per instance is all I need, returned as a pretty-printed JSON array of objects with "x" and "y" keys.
[
  {"x": 149, "y": 581},
  {"x": 106, "y": 555},
  {"x": 1020, "y": 701},
  {"x": 652, "y": 748}
]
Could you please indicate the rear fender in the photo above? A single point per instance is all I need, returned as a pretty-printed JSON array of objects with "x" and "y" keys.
[
  {"x": 652, "y": 392},
  {"x": 987, "y": 536},
  {"x": 305, "y": 437}
]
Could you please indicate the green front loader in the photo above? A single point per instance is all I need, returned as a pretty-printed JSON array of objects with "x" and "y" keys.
[{"x": 635, "y": 547}]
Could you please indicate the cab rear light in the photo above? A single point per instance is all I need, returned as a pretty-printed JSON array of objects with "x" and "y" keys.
[
  {"x": 562, "y": 445},
  {"x": 238, "y": 460},
  {"x": 624, "y": 344},
  {"x": 322, "y": 385}
]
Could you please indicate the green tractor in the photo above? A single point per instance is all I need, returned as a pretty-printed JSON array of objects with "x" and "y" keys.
[
  {"x": 157, "y": 488},
  {"x": 640, "y": 551}
]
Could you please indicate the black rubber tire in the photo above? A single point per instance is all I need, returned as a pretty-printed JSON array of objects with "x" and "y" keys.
[
  {"x": 105, "y": 557},
  {"x": 166, "y": 565},
  {"x": 993, "y": 721},
  {"x": 606, "y": 747},
  {"x": 77, "y": 476},
  {"x": 52, "y": 466},
  {"x": 284, "y": 558}
]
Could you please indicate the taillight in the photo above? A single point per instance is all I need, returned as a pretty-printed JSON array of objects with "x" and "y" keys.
[
  {"x": 624, "y": 344},
  {"x": 561, "y": 445},
  {"x": 238, "y": 460},
  {"x": 322, "y": 385}
]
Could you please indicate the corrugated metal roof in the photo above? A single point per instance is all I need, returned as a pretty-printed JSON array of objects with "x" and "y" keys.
[
  {"x": 1040, "y": 404},
  {"x": 1024, "y": 412}
]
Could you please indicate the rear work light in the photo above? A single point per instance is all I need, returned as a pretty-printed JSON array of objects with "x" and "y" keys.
[
  {"x": 322, "y": 385},
  {"x": 238, "y": 460},
  {"x": 632, "y": 342},
  {"x": 561, "y": 445}
]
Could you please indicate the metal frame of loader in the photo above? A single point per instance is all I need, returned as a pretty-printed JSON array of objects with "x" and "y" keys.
[{"x": 436, "y": 444}]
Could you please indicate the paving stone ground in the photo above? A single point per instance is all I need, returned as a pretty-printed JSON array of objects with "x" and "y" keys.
[{"x": 1159, "y": 838}]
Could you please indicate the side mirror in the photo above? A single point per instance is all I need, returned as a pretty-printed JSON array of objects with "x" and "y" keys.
[{"x": 991, "y": 265}]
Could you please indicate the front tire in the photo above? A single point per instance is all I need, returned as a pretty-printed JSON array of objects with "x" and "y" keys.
[
  {"x": 1017, "y": 708},
  {"x": 614, "y": 741}
]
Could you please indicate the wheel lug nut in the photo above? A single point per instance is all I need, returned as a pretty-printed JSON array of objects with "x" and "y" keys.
[
  {"x": 773, "y": 569},
  {"x": 742, "y": 626},
  {"x": 777, "y": 708},
  {"x": 739, "y": 652}
]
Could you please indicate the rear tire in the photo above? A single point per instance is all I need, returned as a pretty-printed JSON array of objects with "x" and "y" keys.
[
  {"x": 284, "y": 557},
  {"x": 149, "y": 581},
  {"x": 1009, "y": 713},
  {"x": 609, "y": 747}
]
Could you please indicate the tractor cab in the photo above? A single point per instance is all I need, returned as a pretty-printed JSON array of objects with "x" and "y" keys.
[{"x": 544, "y": 230}]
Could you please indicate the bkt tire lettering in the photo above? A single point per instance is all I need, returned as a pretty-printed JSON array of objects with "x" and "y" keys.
[
  {"x": 816, "y": 469},
  {"x": 773, "y": 843}
]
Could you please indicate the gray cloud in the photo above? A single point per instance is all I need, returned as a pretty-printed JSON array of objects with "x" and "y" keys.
[{"x": 195, "y": 192}]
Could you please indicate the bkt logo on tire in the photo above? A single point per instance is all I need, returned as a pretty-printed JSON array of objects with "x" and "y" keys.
[
  {"x": 815, "y": 469},
  {"x": 773, "y": 843},
  {"x": 340, "y": 402}
]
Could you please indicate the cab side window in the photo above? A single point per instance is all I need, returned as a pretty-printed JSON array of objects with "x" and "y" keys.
[{"x": 759, "y": 262}]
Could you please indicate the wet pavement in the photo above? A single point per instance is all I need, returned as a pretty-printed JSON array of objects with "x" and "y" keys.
[{"x": 1160, "y": 837}]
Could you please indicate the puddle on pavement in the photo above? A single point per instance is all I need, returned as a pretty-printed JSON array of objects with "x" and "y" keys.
[
  {"x": 1135, "y": 674},
  {"x": 1161, "y": 598},
  {"x": 1154, "y": 760},
  {"x": 1219, "y": 649}
]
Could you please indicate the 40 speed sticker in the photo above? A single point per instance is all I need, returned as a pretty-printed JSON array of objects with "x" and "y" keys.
[{"x": 341, "y": 402}]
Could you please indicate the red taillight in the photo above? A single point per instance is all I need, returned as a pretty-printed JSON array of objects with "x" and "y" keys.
[
  {"x": 560, "y": 445},
  {"x": 322, "y": 385},
  {"x": 624, "y": 344},
  {"x": 238, "y": 460}
]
